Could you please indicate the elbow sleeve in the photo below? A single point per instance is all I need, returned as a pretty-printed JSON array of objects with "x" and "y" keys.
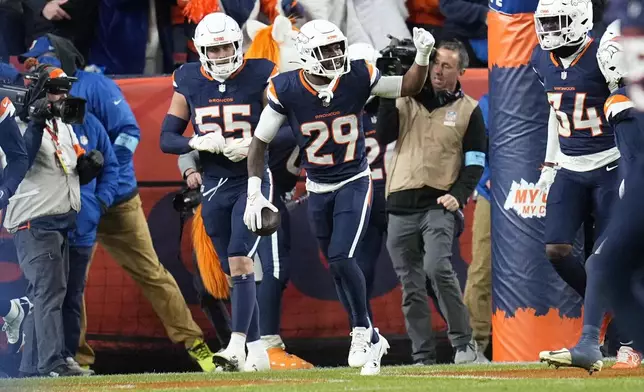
[
  {"x": 172, "y": 127},
  {"x": 552, "y": 144},
  {"x": 270, "y": 122},
  {"x": 387, "y": 124}
]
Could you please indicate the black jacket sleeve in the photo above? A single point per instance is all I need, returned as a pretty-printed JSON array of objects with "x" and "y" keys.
[
  {"x": 387, "y": 122},
  {"x": 35, "y": 24},
  {"x": 474, "y": 141}
]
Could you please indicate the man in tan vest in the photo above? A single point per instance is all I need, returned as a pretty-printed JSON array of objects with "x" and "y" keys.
[{"x": 438, "y": 160}]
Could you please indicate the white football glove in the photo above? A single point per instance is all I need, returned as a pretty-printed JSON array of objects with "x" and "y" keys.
[
  {"x": 546, "y": 178},
  {"x": 255, "y": 203},
  {"x": 212, "y": 142},
  {"x": 424, "y": 42},
  {"x": 236, "y": 149}
]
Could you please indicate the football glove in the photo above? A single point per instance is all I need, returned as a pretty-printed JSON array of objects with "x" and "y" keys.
[
  {"x": 255, "y": 203},
  {"x": 424, "y": 42},
  {"x": 546, "y": 179},
  {"x": 212, "y": 142},
  {"x": 237, "y": 149}
]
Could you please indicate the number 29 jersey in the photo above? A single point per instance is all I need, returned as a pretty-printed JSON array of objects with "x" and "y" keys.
[
  {"x": 231, "y": 107},
  {"x": 577, "y": 94},
  {"x": 331, "y": 138}
]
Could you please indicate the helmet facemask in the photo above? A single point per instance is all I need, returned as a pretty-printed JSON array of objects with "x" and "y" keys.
[
  {"x": 556, "y": 31},
  {"x": 330, "y": 60},
  {"x": 562, "y": 23},
  {"x": 223, "y": 66}
]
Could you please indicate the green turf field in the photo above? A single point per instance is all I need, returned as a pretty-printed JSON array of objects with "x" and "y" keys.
[{"x": 482, "y": 378}]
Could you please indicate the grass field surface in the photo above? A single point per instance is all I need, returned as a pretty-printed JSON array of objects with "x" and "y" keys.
[{"x": 482, "y": 378}]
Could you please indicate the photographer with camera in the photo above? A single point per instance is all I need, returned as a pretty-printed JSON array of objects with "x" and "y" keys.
[
  {"x": 43, "y": 211},
  {"x": 437, "y": 162},
  {"x": 123, "y": 230}
]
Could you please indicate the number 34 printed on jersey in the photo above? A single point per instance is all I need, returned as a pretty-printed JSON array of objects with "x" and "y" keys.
[
  {"x": 592, "y": 121},
  {"x": 228, "y": 113}
]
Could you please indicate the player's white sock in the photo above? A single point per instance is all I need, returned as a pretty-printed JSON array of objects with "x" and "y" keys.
[
  {"x": 237, "y": 343},
  {"x": 256, "y": 348},
  {"x": 14, "y": 311},
  {"x": 273, "y": 341}
]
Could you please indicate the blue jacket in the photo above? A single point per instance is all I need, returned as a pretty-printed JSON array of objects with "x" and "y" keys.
[
  {"x": 15, "y": 150},
  {"x": 105, "y": 101},
  {"x": 92, "y": 136},
  {"x": 482, "y": 188},
  {"x": 464, "y": 18},
  {"x": 121, "y": 36}
]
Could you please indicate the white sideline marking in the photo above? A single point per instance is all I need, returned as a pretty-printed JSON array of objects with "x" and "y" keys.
[{"x": 465, "y": 376}]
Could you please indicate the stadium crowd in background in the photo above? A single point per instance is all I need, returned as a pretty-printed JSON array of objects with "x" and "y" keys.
[
  {"x": 96, "y": 40},
  {"x": 152, "y": 37}
]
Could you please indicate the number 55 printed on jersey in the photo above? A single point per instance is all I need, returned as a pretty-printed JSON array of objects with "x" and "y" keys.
[
  {"x": 593, "y": 121},
  {"x": 339, "y": 135},
  {"x": 228, "y": 112}
]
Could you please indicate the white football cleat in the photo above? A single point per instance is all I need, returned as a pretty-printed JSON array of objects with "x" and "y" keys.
[
  {"x": 360, "y": 351},
  {"x": 257, "y": 362},
  {"x": 378, "y": 350},
  {"x": 229, "y": 361}
]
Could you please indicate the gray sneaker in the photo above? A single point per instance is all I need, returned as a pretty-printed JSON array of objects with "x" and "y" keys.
[
  {"x": 72, "y": 364},
  {"x": 481, "y": 358},
  {"x": 465, "y": 354}
]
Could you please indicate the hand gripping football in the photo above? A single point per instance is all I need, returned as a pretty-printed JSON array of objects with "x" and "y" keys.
[{"x": 270, "y": 222}]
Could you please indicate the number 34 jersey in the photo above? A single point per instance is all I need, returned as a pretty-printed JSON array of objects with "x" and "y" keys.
[
  {"x": 231, "y": 108},
  {"x": 331, "y": 138},
  {"x": 577, "y": 94}
]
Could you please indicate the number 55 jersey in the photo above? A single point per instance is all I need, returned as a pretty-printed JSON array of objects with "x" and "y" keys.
[
  {"x": 577, "y": 95},
  {"x": 231, "y": 107}
]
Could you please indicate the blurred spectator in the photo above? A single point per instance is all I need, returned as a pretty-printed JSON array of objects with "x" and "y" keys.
[
  {"x": 177, "y": 20},
  {"x": 363, "y": 20},
  {"x": 466, "y": 20},
  {"x": 478, "y": 289},
  {"x": 426, "y": 14},
  {"x": 614, "y": 9},
  {"x": 12, "y": 29},
  {"x": 599, "y": 25},
  {"x": 121, "y": 36},
  {"x": 71, "y": 19}
]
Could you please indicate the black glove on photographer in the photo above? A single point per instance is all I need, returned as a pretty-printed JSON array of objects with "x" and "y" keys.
[
  {"x": 40, "y": 111},
  {"x": 89, "y": 166}
]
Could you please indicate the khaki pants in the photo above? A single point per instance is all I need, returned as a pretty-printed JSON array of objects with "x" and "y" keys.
[
  {"x": 124, "y": 233},
  {"x": 478, "y": 289}
]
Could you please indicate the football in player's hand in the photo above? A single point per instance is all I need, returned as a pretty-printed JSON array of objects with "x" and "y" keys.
[{"x": 270, "y": 222}]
